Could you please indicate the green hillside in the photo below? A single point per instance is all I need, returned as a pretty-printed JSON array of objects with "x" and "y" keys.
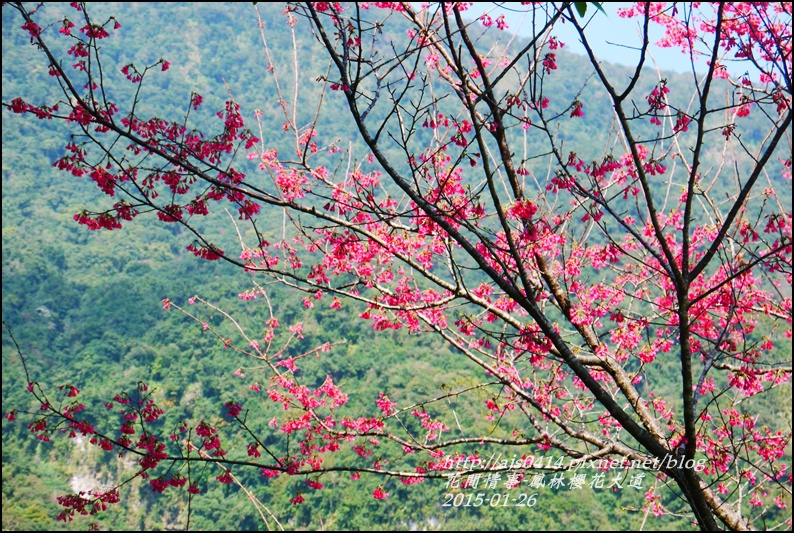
[{"x": 86, "y": 308}]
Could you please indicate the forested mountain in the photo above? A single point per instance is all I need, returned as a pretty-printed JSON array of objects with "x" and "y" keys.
[{"x": 86, "y": 307}]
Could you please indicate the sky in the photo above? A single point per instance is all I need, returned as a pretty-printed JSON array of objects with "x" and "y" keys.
[{"x": 610, "y": 35}]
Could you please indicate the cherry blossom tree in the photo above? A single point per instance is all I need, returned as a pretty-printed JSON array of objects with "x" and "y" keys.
[{"x": 571, "y": 276}]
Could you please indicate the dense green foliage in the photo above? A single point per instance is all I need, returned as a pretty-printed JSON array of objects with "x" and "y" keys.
[{"x": 86, "y": 309}]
